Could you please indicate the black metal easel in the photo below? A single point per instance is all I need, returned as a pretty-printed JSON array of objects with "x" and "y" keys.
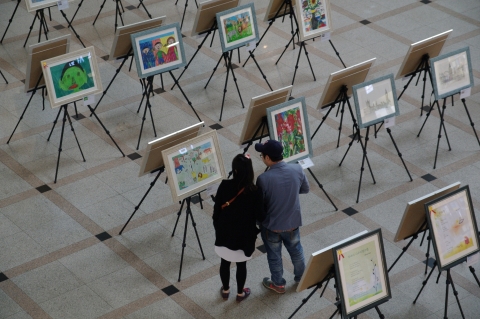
[
  {"x": 3, "y": 76},
  {"x": 442, "y": 124},
  {"x": 65, "y": 117},
  {"x": 412, "y": 238},
  {"x": 125, "y": 58},
  {"x": 39, "y": 14},
  {"x": 423, "y": 66},
  {"x": 326, "y": 280},
  {"x": 185, "y": 10},
  {"x": 227, "y": 57},
  {"x": 281, "y": 12},
  {"x": 160, "y": 171},
  {"x": 69, "y": 22},
  {"x": 188, "y": 212},
  {"x": 118, "y": 11},
  {"x": 448, "y": 282},
  {"x": 10, "y": 20},
  {"x": 28, "y": 103}
]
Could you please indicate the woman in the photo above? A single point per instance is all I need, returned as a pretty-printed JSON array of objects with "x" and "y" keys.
[{"x": 238, "y": 205}]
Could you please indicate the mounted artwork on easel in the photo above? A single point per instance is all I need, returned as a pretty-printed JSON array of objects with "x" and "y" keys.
[
  {"x": 237, "y": 27},
  {"x": 451, "y": 72},
  {"x": 362, "y": 276},
  {"x": 315, "y": 18},
  {"x": 72, "y": 76},
  {"x": 288, "y": 124},
  {"x": 206, "y": 18},
  {"x": 274, "y": 6},
  {"x": 193, "y": 165},
  {"x": 33, "y": 5},
  {"x": 158, "y": 50},
  {"x": 452, "y": 221},
  {"x": 375, "y": 100}
]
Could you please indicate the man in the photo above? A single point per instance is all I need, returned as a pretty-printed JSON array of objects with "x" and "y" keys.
[{"x": 281, "y": 184}]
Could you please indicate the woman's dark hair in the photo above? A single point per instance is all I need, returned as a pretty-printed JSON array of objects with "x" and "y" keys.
[{"x": 243, "y": 173}]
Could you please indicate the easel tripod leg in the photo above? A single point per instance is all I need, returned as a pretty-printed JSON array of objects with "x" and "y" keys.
[
  {"x": 184, "y": 239},
  {"x": 455, "y": 293},
  {"x": 472, "y": 270},
  {"x": 105, "y": 129},
  {"x": 425, "y": 281},
  {"x": 470, "y": 119},
  {"x": 234, "y": 77},
  {"x": 184, "y": 95},
  {"x": 54, "y": 123},
  {"x": 321, "y": 187},
  {"x": 304, "y": 301},
  {"x": 73, "y": 131},
  {"x": 61, "y": 139},
  {"x": 178, "y": 217},
  {"x": 215, "y": 69},
  {"x": 10, "y": 20}
]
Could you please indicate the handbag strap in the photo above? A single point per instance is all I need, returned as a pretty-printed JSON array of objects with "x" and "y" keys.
[{"x": 231, "y": 201}]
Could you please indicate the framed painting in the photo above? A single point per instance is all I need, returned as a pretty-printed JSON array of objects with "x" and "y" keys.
[
  {"x": 414, "y": 219},
  {"x": 314, "y": 18},
  {"x": 451, "y": 72},
  {"x": 237, "y": 27},
  {"x": 158, "y": 50},
  {"x": 347, "y": 77},
  {"x": 71, "y": 76},
  {"x": 43, "y": 51},
  {"x": 153, "y": 160},
  {"x": 288, "y": 124},
  {"x": 193, "y": 165},
  {"x": 206, "y": 16},
  {"x": 430, "y": 47},
  {"x": 33, "y": 5},
  {"x": 451, "y": 219},
  {"x": 257, "y": 111},
  {"x": 375, "y": 100},
  {"x": 122, "y": 43},
  {"x": 362, "y": 276}
]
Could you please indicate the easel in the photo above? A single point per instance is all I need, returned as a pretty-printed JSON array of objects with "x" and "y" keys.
[
  {"x": 326, "y": 280},
  {"x": 39, "y": 14},
  {"x": 67, "y": 116},
  {"x": 423, "y": 66},
  {"x": 331, "y": 274},
  {"x": 118, "y": 11},
  {"x": 442, "y": 124},
  {"x": 287, "y": 4},
  {"x": 448, "y": 282},
  {"x": 32, "y": 93},
  {"x": 3, "y": 76},
  {"x": 185, "y": 10},
  {"x": 125, "y": 58},
  {"x": 227, "y": 57},
  {"x": 147, "y": 86},
  {"x": 10, "y": 20},
  {"x": 160, "y": 171}
]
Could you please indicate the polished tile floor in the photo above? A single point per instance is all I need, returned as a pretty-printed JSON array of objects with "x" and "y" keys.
[{"x": 61, "y": 255}]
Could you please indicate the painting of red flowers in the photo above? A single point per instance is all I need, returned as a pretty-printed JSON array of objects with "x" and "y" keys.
[{"x": 288, "y": 124}]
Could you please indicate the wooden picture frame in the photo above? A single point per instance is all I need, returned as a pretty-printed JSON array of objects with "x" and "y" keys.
[
  {"x": 158, "y": 50},
  {"x": 288, "y": 124},
  {"x": 348, "y": 77},
  {"x": 451, "y": 72},
  {"x": 258, "y": 109},
  {"x": 314, "y": 18},
  {"x": 414, "y": 215},
  {"x": 361, "y": 261},
  {"x": 206, "y": 16},
  {"x": 274, "y": 6},
  {"x": 122, "y": 42},
  {"x": 153, "y": 160},
  {"x": 319, "y": 265},
  {"x": 453, "y": 227},
  {"x": 237, "y": 27},
  {"x": 193, "y": 165},
  {"x": 43, "y": 51},
  {"x": 375, "y": 100},
  {"x": 72, "y": 76},
  {"x": 430, "y": 46}
]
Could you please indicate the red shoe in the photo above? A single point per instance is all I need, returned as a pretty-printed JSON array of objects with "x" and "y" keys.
[{"x": 246, "y": 293}]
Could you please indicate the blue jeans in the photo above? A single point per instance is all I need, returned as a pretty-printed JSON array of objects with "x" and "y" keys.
[{"x": 273, "y": 245}]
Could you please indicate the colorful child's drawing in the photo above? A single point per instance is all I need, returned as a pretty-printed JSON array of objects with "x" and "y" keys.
[
  {"x": 72, "y": 77},
  {"x": 313, "y": 14},
  {"x": 290, "y": 132},
  {"x": 194, "y": 165},
  {"x": 238, "y": 27},
  {"x": 159, "y": 49}
]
